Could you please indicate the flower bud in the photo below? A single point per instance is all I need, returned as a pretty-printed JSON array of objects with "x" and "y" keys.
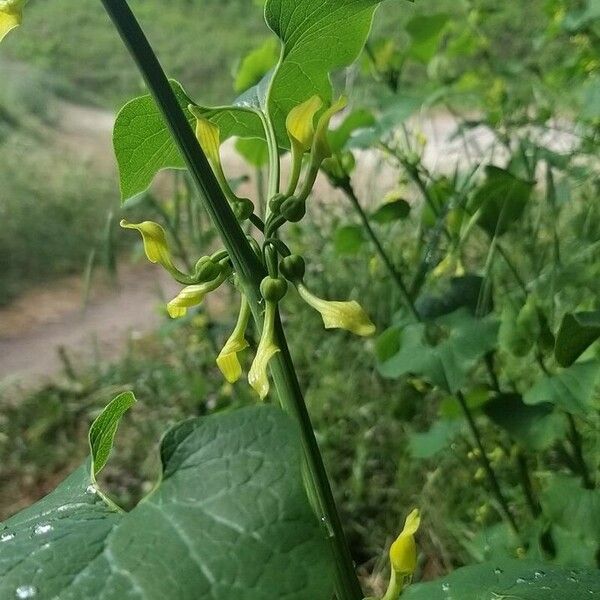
[
  {"x": 206, "y": 270},
  {"x": 293, "y": 268},
  {"x": 276, "y": 202},
  {"x": 273, "y": 290},
  {"x": 293, "y": 209},
  {"x": 243, "y": 208}
]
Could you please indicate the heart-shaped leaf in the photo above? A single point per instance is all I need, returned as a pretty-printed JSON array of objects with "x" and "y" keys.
[
  {"x": 229, "y": 519},
  {"x": 315, "y": 37}
]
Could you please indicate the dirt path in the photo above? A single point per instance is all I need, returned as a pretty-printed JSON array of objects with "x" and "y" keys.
[{"x": 45, "y": 319}]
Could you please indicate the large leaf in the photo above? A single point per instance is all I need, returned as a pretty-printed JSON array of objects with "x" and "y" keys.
[
  {"x": 572, "y": 390},
  {"x": 143, "y": 143},
  {"x": 444, "y": 352},
  {"x": 511, "y": 580},
  {"x": 316, "y": 37},
  {"x": 578, "y": 331},
  {"x": 535, "y": 427},
  {"x": 575, "y": 516},
  {"x": 229, "y": 519},
  {"x": 501, "y": 199}
]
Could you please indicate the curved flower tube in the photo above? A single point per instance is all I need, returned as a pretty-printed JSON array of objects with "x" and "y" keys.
[
  {"x": 156, "y": 247},
  {"x": 403, "y": 556},
  {"x": 339, "y": 315},
  {"x": 228, "y": 361},
  {"x": 192, "y": 295},
  {"x": 258, "y": 377}
]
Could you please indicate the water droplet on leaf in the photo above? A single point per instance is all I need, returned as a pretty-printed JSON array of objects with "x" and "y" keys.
[
  {"x": 42, "y": 528},
  {"x": 6, "y": 537},
  {"x": 26, "y": 591}
]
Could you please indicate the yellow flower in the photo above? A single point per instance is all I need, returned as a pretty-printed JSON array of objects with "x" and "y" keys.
[
  {"x": 11, "y": 15},
  {"x": 403, "y": 553},
  {"x": 192, "y": 295},
  {"x": 228, "y": 361},
  {"x": 339, "y": 315},
  {"x": 258, "y": 377},
  {"x": 300, "y": 123},
  {"x": 321, "y": 148},
  {"x": 155, "y": 246},
  {"x": 403, "y": 557},
  {"x": 209, "y": 136}
]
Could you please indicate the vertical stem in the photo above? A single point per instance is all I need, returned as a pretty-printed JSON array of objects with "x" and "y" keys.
[
  {"x": 532, "y": 502},
  {"x": 575, "y": 439},
  {"x": 346, "y": 186},
  {"x": 250, "y": 272},
  {"x": 491, "y": 475}
]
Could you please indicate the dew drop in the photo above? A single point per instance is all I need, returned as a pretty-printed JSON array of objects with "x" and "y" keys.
[
  {"x": 521, "y": 580},
  {"x": 91, "y": 489},
  {"x": 42, "y": 528},
  {"x": 539, "y": 574},
  {"x": 445, "y": 587},
  {"x": 6, "y": 537},
  {"x": 26, "y": 591},
  {"x": 498, "y": 571}
]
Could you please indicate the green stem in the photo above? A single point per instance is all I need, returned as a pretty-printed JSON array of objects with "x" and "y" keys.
[
  {"x": 250, "y": 272},
  {"x": 346, "y": 186},
  {"x": 575, "y": 439},
  {"x": 491, "y": 475}
]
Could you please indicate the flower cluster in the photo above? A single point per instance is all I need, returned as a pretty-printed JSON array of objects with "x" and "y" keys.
[{"x": 309, "y": 147}]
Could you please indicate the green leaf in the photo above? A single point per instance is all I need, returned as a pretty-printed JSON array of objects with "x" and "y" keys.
[
  {"x": 535, "y": 427},
  {"x": 575, "y": 516},
  {"x": 444, "y": 352},
  {"x": 466, "y": 291},
  {"x": 426, "y": 32},
  {"x": 348, "y": 239},
  {"x": 578, "y": 331},
  {"x": 143, "y": 144},
  {"x": 104, "y": 428},
  {"x": 317, "y": 37},
  {"x": 501, "y": 200},
  {"x": 229, "y": 519},
  {"x": 391, "y": 211},
  {"x": 438, "y": 438},
  {"x": 510, "y": 580},
  {"x": 357, "y": 119},
  {"x": 572, "y": 390},
  {"x": 253, "y": 150},
  {"x": 256, "y": 64}
]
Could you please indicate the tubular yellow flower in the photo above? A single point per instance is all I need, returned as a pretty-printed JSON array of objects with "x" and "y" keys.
[
  {"x": 258, "y": 377},
  {"x": 403, "y": 557},
  {"x": 301, "y": 132},
  {"x": 339, "y": 315},
  {"x": 155, "y": 246},
  {"x": 11, "y": 15},
  {"x": 228, "y": 361},
  {"x": 209, "y": 136},
  {"x": 321, "y": 148},
  {"x": 300, "y": 123},
  {"x": 403, "y": 553},
  {"x": 192, "y": 295}
]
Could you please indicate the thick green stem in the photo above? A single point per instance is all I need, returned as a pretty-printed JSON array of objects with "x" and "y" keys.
[
  {"x": 250, "y": 272},
  {"x": 346, "y": 186}
]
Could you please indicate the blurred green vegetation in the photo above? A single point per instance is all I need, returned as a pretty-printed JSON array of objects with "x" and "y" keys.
[{"x": 518, "y": 70}]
